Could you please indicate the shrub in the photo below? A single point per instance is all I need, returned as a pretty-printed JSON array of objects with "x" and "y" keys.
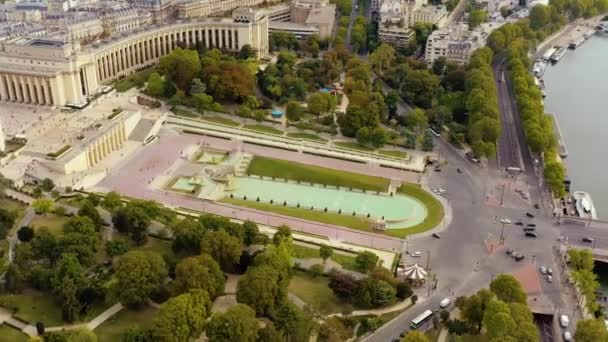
[{"x": 316, "y": 270}]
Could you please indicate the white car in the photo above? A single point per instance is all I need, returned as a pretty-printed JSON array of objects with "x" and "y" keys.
[
  {"x": 543, "y": 270},
  {"x": 564, "y": 321},
  {"x": 444, "y": 303},
  {"x": 505, "y": 221},
  {"x": 549, "y": 278},
  {"x": 549, "y": 271},
  {"x": 416, "y": 254},
  {"x": 567, "y": 336}
]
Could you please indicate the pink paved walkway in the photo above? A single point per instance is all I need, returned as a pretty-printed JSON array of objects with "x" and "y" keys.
[
  {"x": 134, "y": 180},
  {"x": 528, "y": 277}
]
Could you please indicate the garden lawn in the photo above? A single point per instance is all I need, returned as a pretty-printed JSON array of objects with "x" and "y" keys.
[
  {"x": 113, "y": 329},
  {"x": 309, "y": 252},
  {"x": 393, "y": 153},
  {"x": 33, "y": 306},
  {"x": 264, "y": 129},
  {"x": 13, "y": 206},
  {"x": 221, "y": 121},
  {"x": 160, "y": 246},
  {"x": 353, "y": 146},
  {"x": 135, "y": 79},
  {"x": 53, "y": 222},
  {"x": 4, "y": 246},
  {"x": 433, "y": 207},
  {"x": 316, "y": 292},
  {"x": 185, "y": 113},
  {"x": 8, "y": 334},
  {"x": 306, "y": 136},
  {"x": 269, "y": 167},
  {"x": 317, "y": 216}
]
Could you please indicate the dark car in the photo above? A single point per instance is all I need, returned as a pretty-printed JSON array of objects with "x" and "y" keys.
[
  {"x": 528, "y": 229},
  {"x": 438, "y": 168},
  {"x": 529, "y": 215},
  {"x": 587, "y": 239},
  {"x": 520, "y": 257},
  {"x": 531, "y": 225},
  {"x": 518, "y": 223},
  {"x": 510, "y": 251},
  {"x": 536, "y": 206},
  {"x": 436, "y": 236},
  {"x": 403, "y": 333},
  {"x": 530, "y": 234},
  {"x": 458, "y": 170}
]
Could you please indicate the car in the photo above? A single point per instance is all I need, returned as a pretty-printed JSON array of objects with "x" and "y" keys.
[
  {"x": 543, "y": 270},
  {"x": 403, "y": 333},
  {"x": 505, "y": 221},
  {"x": 531, "y": 225},
  {"x": 529, "y": 229},
  {"x": 549, "y": 278},
  {"x": 518, "y": 223},
  {"x": 438, "y": 168},
  {"x": 588, "y": 239},
  {"x": 436, "y": 236},
  {"x": 567, "y": 336},
  {"x": 549, "y": 271},
  {"x": 519, "y": 257},
  {"x": 458, "y": 170},
  {"x": 536, "y": 206},
  {"x": 564, "y": 321},
  {"x": 529, "y": 215},
  {"x": 530, "y": 234},
  {"x": 510, "y": 251},
  {"x": 444, "y": 303},
  {"x": 416, "y": 254}
]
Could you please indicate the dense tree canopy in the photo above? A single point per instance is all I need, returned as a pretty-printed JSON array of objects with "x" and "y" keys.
[
  {"x": 138, "y": 273},
  {"x": 236, "y": 324},
  {"x": 199, "y": 272},
  {"x": 508, "y": 289},
  {"x": 222, "y": 247},
  {"x": 182, "y": 318}
]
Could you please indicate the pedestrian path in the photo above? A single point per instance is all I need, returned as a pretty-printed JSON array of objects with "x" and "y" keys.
[{"x": 388, "y": 309}]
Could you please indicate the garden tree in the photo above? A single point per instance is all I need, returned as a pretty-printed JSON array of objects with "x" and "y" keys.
[
  {"x": 373, "y": 293},
  {"x": 294, "y": 111},
  {"x": 7, "y": 220},
  {"x": 404, "y": 290},
  {"x": 409, "y": 138},
  {"x": 439, "y": 65},
  {"x": 590, "y": 330},
  {"x": 343, "y": 285},
  {"x": 134, "y": 334},
  {"x": 226, "y": 79},
  {"x": 320, "y": 103},
  {"x": 112, "y": 201},
  {"x": 283, "y": 233},
  {"x": 539, "y": 16},
  {"x": 421, "y": 88},
  {"x": 217, "y": 223},
  {"x": 133, "y": 220},
  {"x": 43, "y": 246},
  {"x": 476, "y": 17},
  {"x": 383, "y": 57},
  {"x": 356, "y": 117},
  {"x": 15, "y": 279},
  {"x": 246, "y": 52},
  {"x": 293, "y": 322},
  {"x": 182, "y": 318},
  {"x": 526, "y": 329},
  {"x": 187, "y": 236},
  {"x": 250, "y": 232},
  {"x": 25, "y": 234},
  {"x": 42, "y": 205},
  {"x": 427, "y": 141},
  {"x": 68, "y": 296},
  {"x": 333, "y": 330},
  {"x": 316, "y": 270},
  {"x": 415, "y": 336},
  {"x": 497, "y": 320},
  {"x": 417, "y": 121},
  {"x": 282, "y": 40},
  {"x": 68, "y": 278},
  {"x": 138, "y": 273},
  {"x": 236, "y": 324},
  {"x": 179, "y": 98},
  {"x": 156, "y": 85},
  {"x": 223, "y": 248},
  {"x": 79, "y": 237},
  {"x": 89, "y": 210},
  {"x": 74, "y": 335},
  {"x": 508, "y": 289},
  {"x": 454, "y": 80},
  {"x": 472, "y": 308},
  {"x": 580, "y": 259},
  {"x": 269, "y": 334},
  {"x": 116, "y": 248},
  {"x": 180, "y": 67},
  {"x": 204, "y": 102},
  {"x": 423, "y": 31},
  {"x": 199, "y": 272},
  {"x": 325, "y": 252},
  {"x": 366, "y": 261},
  {"x": 197, "y": 86},
  {"x": 391, "y": 99},
  {"x": 47, "y": 184}
]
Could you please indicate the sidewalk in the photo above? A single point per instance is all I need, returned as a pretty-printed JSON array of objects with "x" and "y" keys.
[{"x": 396, "y": 307}]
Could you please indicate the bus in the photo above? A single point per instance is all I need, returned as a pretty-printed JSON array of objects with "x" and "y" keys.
[{"x": 423, "y": 317}]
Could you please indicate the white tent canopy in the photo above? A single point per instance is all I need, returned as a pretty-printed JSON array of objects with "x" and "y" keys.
[{"x": 414, "y": 272}]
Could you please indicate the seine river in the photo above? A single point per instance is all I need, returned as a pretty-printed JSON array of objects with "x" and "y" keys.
[{"x": 577, "y": 94}]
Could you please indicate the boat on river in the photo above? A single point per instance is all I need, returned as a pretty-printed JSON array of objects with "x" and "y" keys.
[{"x": 584, "y": 205}]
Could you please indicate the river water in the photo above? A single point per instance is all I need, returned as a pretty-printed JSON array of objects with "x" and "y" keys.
[{"x": 577, "y": 94}]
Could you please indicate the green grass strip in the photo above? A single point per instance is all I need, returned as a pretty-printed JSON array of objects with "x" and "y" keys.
[
  {"x": 264, "y": 129},
  {"x": 433, "y": 206},
  {"x": 307, "y": 136}
]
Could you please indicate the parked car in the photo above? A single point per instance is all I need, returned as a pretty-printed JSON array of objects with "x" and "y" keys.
[
  {"x": 529, "y": 215},
  {"x": 529, "y": 229},
  {"x": 458, "y": 170},
  {"x": 416, "y": 254},
  {"x": 543, "y": 270},
  {"x": 567, "y": 336},
  {"x": 519, "y": 257},
  {"x": 436, "y": 236},
  {"x": 531, "y": 225},
  {"x": 588, "y": 239},
  {"x": 518, "y": 223},
  {"x": 564, "y": 321},
  {"x": 549, "y": 271},
  {"x": 444, "y": 303},
  {"x": 510, "y": 251},
  {"x": 505, "y": 221},
  {"x": 536, "y": 206},
  {"x": 549, "y": 278},
  {"x": 530, "y": 234}
]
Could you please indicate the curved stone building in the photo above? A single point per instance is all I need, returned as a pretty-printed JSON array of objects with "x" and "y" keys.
[{"x": 55, "y": 73}]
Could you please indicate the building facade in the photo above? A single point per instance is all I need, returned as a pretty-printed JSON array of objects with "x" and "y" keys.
[
  {"x": 189, "y": 9},
  {"x": 125, "y": 20},
  {"x": 456, "y": 44},
  {"x": 161, "y": 10},
  {"x": 55, "y": 73}
]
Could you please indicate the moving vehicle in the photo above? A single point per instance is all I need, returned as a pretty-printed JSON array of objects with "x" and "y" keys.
[
  {"x": 519, "y": 257},
  {"x": 530, "y": 235},
  {"x": 536, "y": 206},
  {"x": 529, "y": 229},
  {"x": 423, "y": 317},
  {"x": 588, "y": 239},
  {"x": 549, "y": 279},
  {"x": 567, "y": 336},
  {"x": 436, "y": 236},
  {"x": 518, "y": 223},
  {"x": 444, "y": 303},
  {"x": 458, "y": 170},
  {"x": 549, "y": 271},
  {"x": 564, "y": 321},
  {"x": 505, "y": 221},
  {"x": 543, "y": 270},
  {"x": 531, "y": 225},
  {"x": 529, "y": 215},
  {"x": 416, "y": 254}
]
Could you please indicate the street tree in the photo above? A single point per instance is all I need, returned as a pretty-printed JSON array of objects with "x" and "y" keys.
[
  {"x": 112, "y": 201},
  {"x": 417, "y": 120},
  {"x": 199, "y": 272},
  {"x": 580, "y": 259},
  {"x": 42, "y": 205},
  {"x": 138, "y": 273},
  {"x": 236, "y": 324},
  {"x": 325, "y": 252},
  {"x": 415, "y": 336},
  {"x": 182, "y": 318},
  {"x": 497, "y": 320},
  {"x": 223, "y": 248},
  {"x": 89, "y": 210},
  {"x": 590, "y": 330},
  {"x": 476, "y": 17},
  {"x": 366, "y": 261},
  {"x": 382, "y": 58},
  {"x": 250, "y": 232},
  {"x": 508, "y": 289},
  {"x": 427, "y": 141},
  {"x": 540, "y": 16}
]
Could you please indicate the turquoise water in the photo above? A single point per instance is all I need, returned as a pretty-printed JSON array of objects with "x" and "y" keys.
[
  {"x": 212, "y": 157},
  {"x": 183, "y": 183},
  {"x": 399, "y": 211}
]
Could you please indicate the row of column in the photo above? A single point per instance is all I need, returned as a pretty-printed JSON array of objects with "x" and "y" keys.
[
  {"x": 144, "y": 52},
  {"x": 26, "y": 89},
  {"x": 110, "y": 142}
]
